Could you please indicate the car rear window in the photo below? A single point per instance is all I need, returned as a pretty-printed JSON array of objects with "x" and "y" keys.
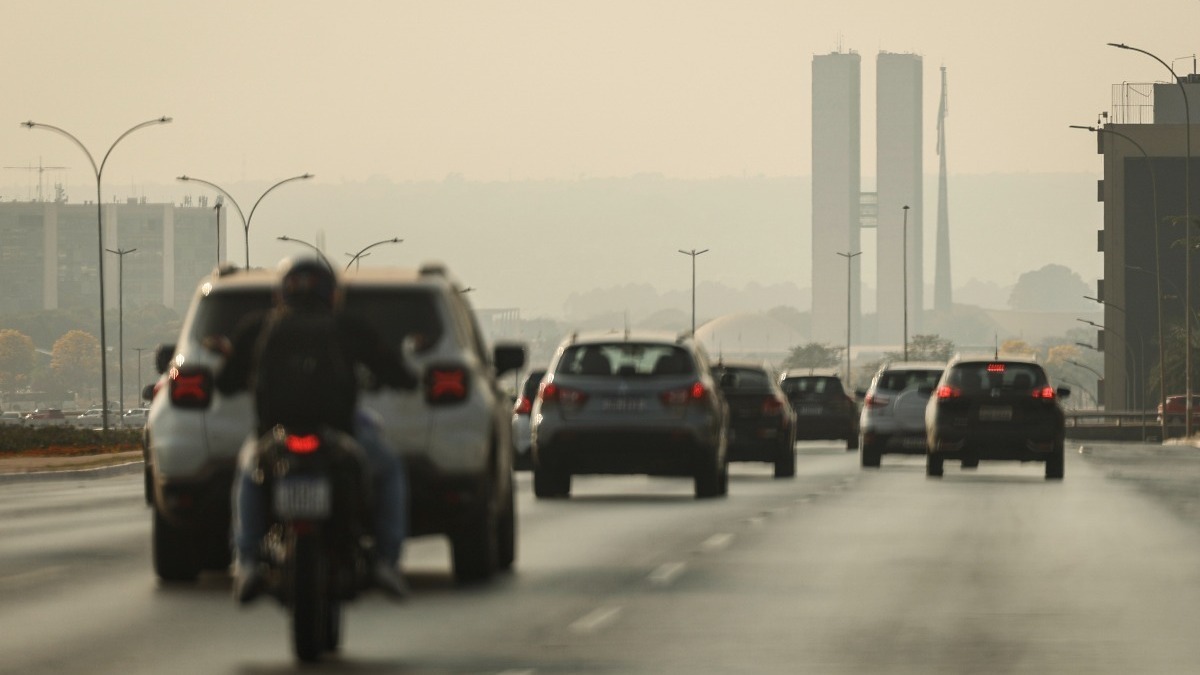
[
  {"x": 220, "y": 312},
  {"x": 812, "y": 385},
  {"x": 899, "y": 380},
  {"x": 626, "y": 359},
  {"x": 988, "y": 375},
  {"x": 397, "y": 312},
  {"x": 742, "y": 378}
]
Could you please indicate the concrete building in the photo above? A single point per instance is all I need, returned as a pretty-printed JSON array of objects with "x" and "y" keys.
[
  {"x": 1145, "y": 199},
  {"x": 836, "y": 187},
  {"x": 48, "y": 253},
  {"x": 899, "y": 171}
]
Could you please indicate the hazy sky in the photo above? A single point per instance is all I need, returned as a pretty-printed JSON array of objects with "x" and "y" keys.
[{"x": 547, "y": 89}]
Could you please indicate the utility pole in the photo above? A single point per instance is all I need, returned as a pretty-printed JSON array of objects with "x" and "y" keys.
[
  {"x": 849, "y": 259},
  {"x": 905, "y": 247}
]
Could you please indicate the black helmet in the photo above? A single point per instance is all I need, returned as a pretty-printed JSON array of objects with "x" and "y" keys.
[{"x": 307, "y": 283}]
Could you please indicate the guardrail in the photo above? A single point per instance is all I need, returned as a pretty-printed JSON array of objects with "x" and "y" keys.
[{"x": 1118, "y": 425}]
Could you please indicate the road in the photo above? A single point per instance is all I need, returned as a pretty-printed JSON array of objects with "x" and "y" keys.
[{"x": 836, "y": 571}]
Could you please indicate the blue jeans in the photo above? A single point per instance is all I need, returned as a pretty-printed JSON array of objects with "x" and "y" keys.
[{"x": 391, "y": 494}]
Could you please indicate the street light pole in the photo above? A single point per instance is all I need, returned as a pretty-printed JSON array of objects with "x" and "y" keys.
[
  {"x": 849, "y": 259},
  {"x": 693, "y": 253},
  {"x": 99, "y": 171},
  {"x": 1162, "y": 350},
  {"x": 904, "y": 245},
  {"x": 217, "y": 210},
  {"x": 246, "y": 220},
  {"x": 1187, "y": 229},
  {"x": 139, "y": 351},
  {"x": 355, "y": 256},
  {"x": 120, "y": 253}
]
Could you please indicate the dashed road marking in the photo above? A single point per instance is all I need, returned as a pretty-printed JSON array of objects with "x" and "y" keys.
[
  {"x": 666, "y": 573},
  {"x": 594, "y": 620},
  {"x": 717, "y": 542},
  {"x": 528, "y": 671}
]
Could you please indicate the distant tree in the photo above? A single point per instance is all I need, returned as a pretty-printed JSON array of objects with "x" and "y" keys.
[
  {"x": 813, "y": 355},
  {"x": 76, "y": 358},
  {"x": 16, "y": 359},
  {"x": 1051, "y": 288},
  {"x": 1017, "y": 347},
  {"x": 924, "y": 348}
]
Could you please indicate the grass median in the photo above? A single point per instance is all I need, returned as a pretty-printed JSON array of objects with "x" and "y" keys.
[{"x": 65, "y": 441}]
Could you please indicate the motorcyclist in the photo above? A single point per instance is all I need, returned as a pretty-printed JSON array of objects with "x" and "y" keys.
[{"x": 272, "y": 353}]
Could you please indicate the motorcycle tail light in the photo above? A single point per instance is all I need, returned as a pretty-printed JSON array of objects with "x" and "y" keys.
[
  {"x": 303, "y": 445},
  {"x": 190, "y": 387}
]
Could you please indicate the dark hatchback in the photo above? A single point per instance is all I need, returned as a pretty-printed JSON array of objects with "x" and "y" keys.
[
  {"x": 823, "y": 408},
  {"x": 995, "y": 409},
  {"x": 762, "y": 425}
]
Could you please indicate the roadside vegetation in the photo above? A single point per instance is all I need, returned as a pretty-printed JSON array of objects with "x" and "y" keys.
[{"x": 65, "y": 441}]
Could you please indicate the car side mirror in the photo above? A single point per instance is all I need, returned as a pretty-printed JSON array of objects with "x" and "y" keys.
[
  {"x": 1064, "y": 392},
  {"x": 162, "y": 357},
  {"x": 508, "y": 357}
]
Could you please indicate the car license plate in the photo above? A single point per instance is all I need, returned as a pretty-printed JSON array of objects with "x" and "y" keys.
[
  {"x": 995, "y": 413},
  {"x": 914, "y": 443},
  {"x": 623, "y": 404},
  {"x": 303, "y": 497},
  {"x": 810, "y": 410}
]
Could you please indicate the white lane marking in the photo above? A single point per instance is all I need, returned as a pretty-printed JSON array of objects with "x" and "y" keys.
[
  {"x": 529, "y": 671},
  {"x": 717, "y": 542},
  {"x": 31, "y": 577},
  {"x": 667, "y": 572},
  {"x": 594, "y": 620},
  {"x": 756, "y": 521}
]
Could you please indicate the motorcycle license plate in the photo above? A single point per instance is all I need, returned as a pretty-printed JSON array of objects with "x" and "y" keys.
[{"x": 307, "y": 497}]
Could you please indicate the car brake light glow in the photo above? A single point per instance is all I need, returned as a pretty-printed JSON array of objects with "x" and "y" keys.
[
  {"x": 697, "y": 391},
  {"x": 772, "y": 406},
  {"x": 995, "y": 368},
  {"x": 190, "y": 386},
  {"x": 1044, "y": 393},
  {"x": 946, "y": 391},
  {"x": 563, "y": 395},
  {"x": 446, "y": 384},
  {"x": 524, "y": 406},
  {"x": 302, "y": 445},
  {"x": 875, "y": 401},
  {"x": 675, "y": 397}
]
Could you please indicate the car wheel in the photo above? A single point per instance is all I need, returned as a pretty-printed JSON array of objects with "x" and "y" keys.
[
  {"x": 933, "y": 465},
  {"x": 869, "y": 455},
  {"x": 785, "y": 466},
  {"x": 1054, "y": 463},
  {"x": 475, "y": 547},
  {"x": 549, "y": 484},
  {"x": 174, "y": 548},
  {"x": 725, "y": 480},
  {"x": 507, "y": 536},
  {"x": 708, "y": 482}
]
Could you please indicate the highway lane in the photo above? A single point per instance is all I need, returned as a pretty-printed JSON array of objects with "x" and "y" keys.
[{"x": 838, "y": 571}]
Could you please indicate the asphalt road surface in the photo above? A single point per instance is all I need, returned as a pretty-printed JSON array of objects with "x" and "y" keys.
[{"x": 839, "y": 570}]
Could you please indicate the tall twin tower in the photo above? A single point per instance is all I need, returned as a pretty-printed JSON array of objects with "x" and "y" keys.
[{"x": 841, "y": 210}]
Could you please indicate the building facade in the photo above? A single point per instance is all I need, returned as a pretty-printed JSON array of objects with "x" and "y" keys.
[
  {"x": 49, "y": 249},
  {"x": 836, "y": 187}
]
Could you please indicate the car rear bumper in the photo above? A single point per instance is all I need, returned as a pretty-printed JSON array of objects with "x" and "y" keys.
[
  {"x": 657, "y": 453},
  {"x": 818, "y": 428},
  {"x": 896, "y": 442},
  {"x": 1022, "y": 447}
]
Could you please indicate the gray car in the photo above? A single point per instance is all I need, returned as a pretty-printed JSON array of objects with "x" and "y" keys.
[
  {"x": 629, "y": 404},
  {"x": 893, "y": 410}
]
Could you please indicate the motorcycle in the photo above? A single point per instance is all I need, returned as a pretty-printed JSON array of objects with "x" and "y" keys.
[{"x": 318, "y": 545}]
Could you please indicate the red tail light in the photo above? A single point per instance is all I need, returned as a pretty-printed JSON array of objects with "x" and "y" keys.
[
  {"x": 445, "y": 384},
  {"x": 1046, "y": 393},
  {"x": 553, "y": 393},
  {"x": 190, "y": 386},
  {"x": 771, "y": 406},
  {"x": 875, "y": 401},
  {"x": 681, "y": 396},
  {"x": 302, "y": 445},
  {"x": 947, "y": 392},
  {"x": 523, "y": 407}
]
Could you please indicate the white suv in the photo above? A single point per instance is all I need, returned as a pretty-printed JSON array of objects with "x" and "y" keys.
[
  {"x": 454, "y": 432},
  {"x": 893, "y": 411}
]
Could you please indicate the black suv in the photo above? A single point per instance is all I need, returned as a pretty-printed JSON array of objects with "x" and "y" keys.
[
  {"x": 1000, "y": 408},
  {"x": 823, "y": 408},
  {"x": 762, "y": 424}
]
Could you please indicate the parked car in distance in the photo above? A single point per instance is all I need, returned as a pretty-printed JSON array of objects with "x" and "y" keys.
[
  {"x": 642, "y": 403},
  {"x": 823, "y": 408},
  {"x": 92, "y": 419},
  {"x": 135, "y": 417},
  {"x": 521, "y": 418},
  {"x": 762, "y": 424},
  {"x": 995, "y": 408},
  {"x": 46, "y": 417},
  {"x": 12, "y": 417},
  {"x": 893, "y": 410}
]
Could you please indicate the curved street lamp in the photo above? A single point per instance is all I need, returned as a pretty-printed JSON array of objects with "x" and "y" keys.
[
  {"x": 1187, "y": 229},
  {"x": 693, "y": 253},
  {"x": 363, "y": 252},
  {"x": 99, "y": 171},
  {"x": 305, "y": 243},
  {"x": 246, "y": 220},
  {"x": 1162, "y": 350}
]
